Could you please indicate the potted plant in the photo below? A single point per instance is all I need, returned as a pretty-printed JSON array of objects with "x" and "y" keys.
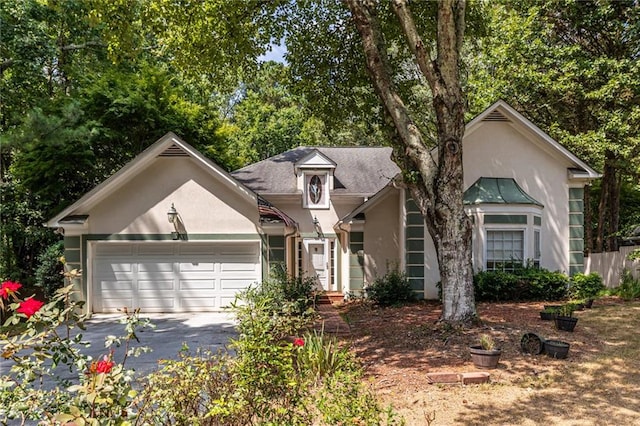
[
  {"x": 565, "y": 320},
  {"x": 486, "y": 354},
  {"x": 556, "y": 348},
  {"x": 586, "y": 287},
  {"x": 549, "y": 313}
]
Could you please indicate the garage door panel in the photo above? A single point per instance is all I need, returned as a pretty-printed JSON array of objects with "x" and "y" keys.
[
  {"x": 155, "y": 285},
  {"x": 235, "y": 284},
  {"x": 172, "y": 277},
  {"x": 196, "y": 266},
  {"x": 110, "y": 286},
  {"x": 113, "y": 267},
  {"x": 199, "y": 303},
  {"x": 114, "y": 304},
  {"x": 204, "y": 284},
  {"x": 157, "y": 304},
  {"x": 163, "y": 266}
]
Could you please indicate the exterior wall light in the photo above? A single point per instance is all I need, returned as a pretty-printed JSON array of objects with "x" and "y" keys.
[{"x": 172, "y": 216}]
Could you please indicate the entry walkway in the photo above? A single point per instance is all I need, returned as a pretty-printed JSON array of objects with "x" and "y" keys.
[{"x": 331, "y": 322}]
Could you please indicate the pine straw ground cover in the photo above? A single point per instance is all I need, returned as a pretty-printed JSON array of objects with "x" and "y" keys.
[{"x": 598, "y": 384}]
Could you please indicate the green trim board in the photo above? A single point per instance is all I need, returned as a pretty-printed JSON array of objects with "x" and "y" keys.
[
  {"x": 275, "y": 251},
  {"x": 514, "y": 219},
  {"x": 356, "y": 261},
  {"x": 168, "y": 237},
  {"x": 576, "y": 230},
  {"x": 414, "y": 247}
]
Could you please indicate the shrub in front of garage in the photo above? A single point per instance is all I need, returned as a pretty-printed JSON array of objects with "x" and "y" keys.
[{"x": 278, "y": 372}]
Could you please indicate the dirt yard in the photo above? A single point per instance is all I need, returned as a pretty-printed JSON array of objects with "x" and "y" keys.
[{"x": 598, "y": 384}]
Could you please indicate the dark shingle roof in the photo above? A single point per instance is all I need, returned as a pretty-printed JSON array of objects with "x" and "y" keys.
[{"x": 359, "y": 170}]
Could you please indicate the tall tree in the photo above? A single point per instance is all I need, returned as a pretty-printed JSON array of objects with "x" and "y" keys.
[
  {"x": 411, "y": 52},
  {"x": 572, "y": 66}
]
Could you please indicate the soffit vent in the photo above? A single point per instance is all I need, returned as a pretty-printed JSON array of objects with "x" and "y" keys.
[
  {"x": 174, "y": 151},
  {"x": 496, "y": 116}
]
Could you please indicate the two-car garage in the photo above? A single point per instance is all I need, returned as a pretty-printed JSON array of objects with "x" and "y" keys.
[{"x": 171, "y": 276}]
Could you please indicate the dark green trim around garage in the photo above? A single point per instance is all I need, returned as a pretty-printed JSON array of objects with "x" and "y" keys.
[
  {"x": 414, "y": 247},
  {"x": 275, "y": 253},
  {"x": 168, "y": 237},
  {"x": 576, "y": 230},
  {"x": 356, "y": 262},
  {"x": 517, "y": 219}
]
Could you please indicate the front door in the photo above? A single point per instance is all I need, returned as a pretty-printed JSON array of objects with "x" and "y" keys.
[{"x": 317, "y": 262}]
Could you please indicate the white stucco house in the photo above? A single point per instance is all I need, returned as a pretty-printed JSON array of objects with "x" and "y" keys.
[{"x": 334, "y": 213}]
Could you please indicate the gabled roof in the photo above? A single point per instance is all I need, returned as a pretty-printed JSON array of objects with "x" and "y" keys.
[
  {"x": 488, "y": 190},
  {"x": 169, "y": 145},
  {"x": 359, "y": 170},
  {"x": 502, "y": 112}
]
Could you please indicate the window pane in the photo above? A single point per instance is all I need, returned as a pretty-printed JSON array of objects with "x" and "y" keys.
[{"x": 504, "y": 248}]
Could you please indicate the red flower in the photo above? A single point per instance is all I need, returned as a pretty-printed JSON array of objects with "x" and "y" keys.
[
  {"x": 103, "y": 366},
  {"x": 298, "y": 342},
  {"x": 8, "y": 288},
  {"x": 29, "y": 307}
]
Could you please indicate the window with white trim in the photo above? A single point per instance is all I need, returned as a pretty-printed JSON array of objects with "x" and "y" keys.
[
  {"x": 536, "y": 248},
  {"x": 316, "y": 191},
  {"x": 505, "y": 249}
]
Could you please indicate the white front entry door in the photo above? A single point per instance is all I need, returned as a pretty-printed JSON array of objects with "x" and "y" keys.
[{"x": 317, "y": 262}]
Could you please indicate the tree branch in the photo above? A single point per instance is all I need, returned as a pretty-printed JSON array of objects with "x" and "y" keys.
[{"x": 82, "y": 45}]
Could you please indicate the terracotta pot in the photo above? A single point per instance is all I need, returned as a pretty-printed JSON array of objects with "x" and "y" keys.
[{"x": 483, "y": 358}]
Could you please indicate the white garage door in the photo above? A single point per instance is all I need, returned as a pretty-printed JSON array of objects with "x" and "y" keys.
[{"x": 171, "y": 277}]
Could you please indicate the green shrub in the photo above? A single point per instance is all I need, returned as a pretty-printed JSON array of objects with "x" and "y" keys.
[
  {"x": 629, "y": 287},
  {"x": 273, "y": 377},
  {"x": 585, "y": 286},
  {"x": 319, "y": 356},
  {"x": 391, "y": 289},
  {"x": 283, "y": 289},
  {"x": 526, "y": 283},
  {"x": 48, "y": 274}
]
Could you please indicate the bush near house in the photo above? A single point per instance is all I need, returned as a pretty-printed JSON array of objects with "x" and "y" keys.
[
  {"x": 586, "y": 286},
  {"x": 391, "y": 289},
  {"x": 629, "y": 287},
  {"x": 526, "y": 283},
  {"x": 277, "y": 372},
  {"x": 281, "y": 374}
]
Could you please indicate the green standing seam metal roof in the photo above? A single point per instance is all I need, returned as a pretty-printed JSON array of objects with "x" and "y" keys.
[{"x": 497, "y": 191}]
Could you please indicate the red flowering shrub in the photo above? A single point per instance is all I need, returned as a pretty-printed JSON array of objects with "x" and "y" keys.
[
  {"x": 298, "y": 342},
  {"x": 29, "y": 307},
  {"x": 8, "y": 288}
]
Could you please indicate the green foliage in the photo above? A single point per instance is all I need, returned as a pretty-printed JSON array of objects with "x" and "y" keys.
[
  {"x": 629, "y": 287},
  {"x": 38, "y": 341},
  {"x": 391, "y": 289},
  {"x": 583, "y": 286},
  {"x": 48, "y": 274},
  {"x": 287, "y": 293},
  {"x": 527, "y": 283},
  {"x": 320, "y": 356},
  {"x": 22, "y": 236},
  {"x": 272, "y": 378}
]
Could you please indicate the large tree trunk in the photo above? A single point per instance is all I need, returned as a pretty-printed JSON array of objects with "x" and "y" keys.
[
  {"x": 608, "y": 207},
  {"x": 435, "y": 184}
]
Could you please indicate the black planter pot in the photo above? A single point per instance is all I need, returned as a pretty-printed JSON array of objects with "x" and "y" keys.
[
  {"x": 565, "y": 323},
  {"x": 547, "y": 316},
  {"x": 556, "y": 348},
  {"x": 532, "y": 344},
  {"x": 483, "y": 358}
]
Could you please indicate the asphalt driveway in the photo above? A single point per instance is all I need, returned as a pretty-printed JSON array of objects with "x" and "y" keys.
[{"x": 172, "y": 332}]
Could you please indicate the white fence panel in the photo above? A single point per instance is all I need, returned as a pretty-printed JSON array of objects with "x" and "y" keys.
[{"x": 611, "y": 264}]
